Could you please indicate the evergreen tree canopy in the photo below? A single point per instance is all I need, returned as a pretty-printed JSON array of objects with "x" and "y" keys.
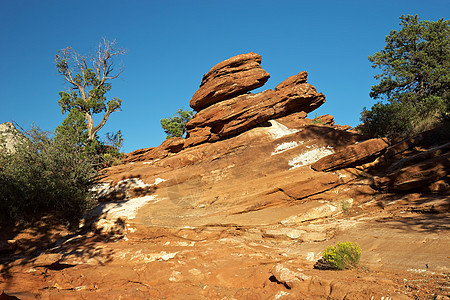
[
  {"x": 176, "y": 125},
  {"x": 414, "y": 82}
]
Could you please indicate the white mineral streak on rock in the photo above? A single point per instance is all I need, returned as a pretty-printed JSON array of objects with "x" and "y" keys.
[
  {"x": 127, "y": 209},
  {"x": 310, "y": 156},
  {"x": 278, "y": 130},
  {"x": 286, "y": 146},
  {"x": 281, "y": 294}
]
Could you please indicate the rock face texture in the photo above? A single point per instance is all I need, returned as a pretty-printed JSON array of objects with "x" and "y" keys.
[
  {"x": 9, "y": 136},
  {"x": 428, "y": 169},
  {"x": 351, "y": 155},
  {"x": 245, "y": 205}
]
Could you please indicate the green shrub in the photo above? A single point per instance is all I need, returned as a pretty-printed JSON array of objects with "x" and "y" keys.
[
  {"x": 342, "y": 256},
  {"x": 45, "y": 175},
  {"x": 176, "y": 126},
  {"x": 317, "y": 120}
]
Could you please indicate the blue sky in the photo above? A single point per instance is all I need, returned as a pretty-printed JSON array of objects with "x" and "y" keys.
[{"x": 171, "y": 44}]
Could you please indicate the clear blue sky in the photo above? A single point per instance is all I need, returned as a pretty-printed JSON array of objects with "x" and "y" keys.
[{"x": 172, "y": 44}]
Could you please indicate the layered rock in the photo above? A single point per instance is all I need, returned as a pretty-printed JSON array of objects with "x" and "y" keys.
[
  {"x": 352, "y": 155},
  {"x": 248, "y": 215},
  {"x": 232, "y": 77},
  {"x": 428, "y": 169},
  {"x": 230, "y": 117}
]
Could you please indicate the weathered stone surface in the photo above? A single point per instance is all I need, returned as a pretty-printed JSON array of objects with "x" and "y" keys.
[
  {"x": 421, "y": 174},
  {"x": 311, "y": 185},
  {"x": 418, "y": 158},
  {"x": 246, "y": 217},
  {"x": 10, "y": 137},
  {"x": 426, "y": 170},
  {"x": 172, "y": 145},
  {"x": 234, "y": 116},
  {"x": 232, "y": 77},
  {"x": 296, "y": 92},
  {"x": 351, "y": 155},
  {"x": 324, "y": 120}
]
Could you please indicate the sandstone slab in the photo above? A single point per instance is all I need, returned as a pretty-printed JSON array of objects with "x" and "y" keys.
[
  {"x": 351, "y": 155},
  {"x": 422, "y": 174}
]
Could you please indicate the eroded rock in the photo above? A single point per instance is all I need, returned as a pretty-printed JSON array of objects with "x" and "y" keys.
[
  {"x": 232, "y": 77},
  {"x": 242, "y": 113},
  {"x": 352, "y": 155}
]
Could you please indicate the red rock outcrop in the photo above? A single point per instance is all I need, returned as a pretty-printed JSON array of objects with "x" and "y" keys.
[
  {"x": 238, "y": 211},
  {"x": 426, "y": 169},
  {"x": 352, "y": 155},
  {"x": 236, "y": 115},
  {"x": 232, "y": 77}
]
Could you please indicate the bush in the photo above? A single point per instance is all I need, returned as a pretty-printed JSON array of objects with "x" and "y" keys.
[
  {"x": 176, "y": 125},
  {"x": 45, "y": 175},
  {"x": 342, "y": 256}
]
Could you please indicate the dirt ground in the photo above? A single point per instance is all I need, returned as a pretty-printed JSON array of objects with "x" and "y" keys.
[{"x": 405, "y": 255}]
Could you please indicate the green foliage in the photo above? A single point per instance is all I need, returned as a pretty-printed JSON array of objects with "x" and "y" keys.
[
  {"x": 317, "y": 120},
  {"x": 110, "y": 148},
  {"x": 342, "y": 256},
  {"x": 74, "y": 126},
  {"x": 89, "y": 82},
  {"x": 414, "y": 81},
  {"x": 45, "y": 175},
  {"x": 103, "y": 154},
  {"x": 346, "y": 206},
  {"x": 176, "y": 125}
]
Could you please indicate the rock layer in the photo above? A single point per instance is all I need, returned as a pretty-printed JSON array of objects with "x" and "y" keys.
[
  {"x": 232, "y": 77},
  {"x": 352, "y": 155},
  {"x": 236, "y": 115},
  {"x": 235, "y": 211}
]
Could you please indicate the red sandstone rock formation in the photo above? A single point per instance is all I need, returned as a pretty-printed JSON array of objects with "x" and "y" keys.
[
  {"x": 232, "y": 77},
  {"x": 244, "y": 207},
  {"x": 235, "y": 112},
  {"x": 352, "y": 155}
]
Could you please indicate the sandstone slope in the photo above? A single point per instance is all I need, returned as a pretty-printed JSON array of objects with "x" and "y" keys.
[{"x": 243, "y": 207}]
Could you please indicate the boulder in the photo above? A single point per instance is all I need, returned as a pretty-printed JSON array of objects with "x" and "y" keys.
[
  {"x": 296, "y": 92},
  {"x": 172, "y": 145},
  {"x": 352, "y": 155},
  {"x": 232, "y": 77}
]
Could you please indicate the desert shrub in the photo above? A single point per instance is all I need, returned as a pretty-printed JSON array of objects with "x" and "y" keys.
[
  {"x": 317, "y": 120},
  {"x": 45, "y": 175},
  {"x": 342, "y": 256},
  {"x": 110, "y": 153}
]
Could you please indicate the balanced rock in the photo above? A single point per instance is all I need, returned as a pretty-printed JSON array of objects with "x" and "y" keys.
[
  {"x": 233, "y": 116},
  {"x": 232, "y": 77}
]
